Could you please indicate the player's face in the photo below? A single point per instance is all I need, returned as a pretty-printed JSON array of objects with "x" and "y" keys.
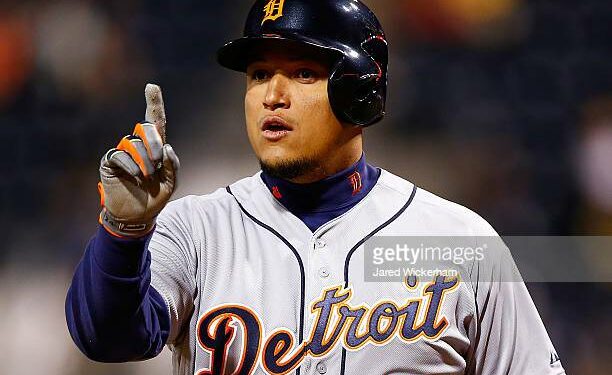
[{"x": 289, "y": 119}]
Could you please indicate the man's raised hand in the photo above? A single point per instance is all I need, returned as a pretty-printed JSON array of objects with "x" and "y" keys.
[{"x": 138, "y": 176}]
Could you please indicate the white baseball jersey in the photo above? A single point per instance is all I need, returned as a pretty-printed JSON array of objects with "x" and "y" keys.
[{"x": 250, "y": 289}]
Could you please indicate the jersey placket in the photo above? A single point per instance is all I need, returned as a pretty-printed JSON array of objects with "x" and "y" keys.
[{"x": 325, "y": 262}]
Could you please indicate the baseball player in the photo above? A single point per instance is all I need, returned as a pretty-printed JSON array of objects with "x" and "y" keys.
[{"x": 267, "y": 275}]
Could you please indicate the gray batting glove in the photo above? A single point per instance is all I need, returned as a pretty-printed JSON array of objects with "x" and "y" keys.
[{"x": 138, "y": 177}]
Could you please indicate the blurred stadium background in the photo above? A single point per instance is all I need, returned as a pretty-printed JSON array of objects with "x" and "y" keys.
[{"x": 504, "y": 106}]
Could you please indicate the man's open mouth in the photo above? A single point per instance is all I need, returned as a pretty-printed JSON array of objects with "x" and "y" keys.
[{"x": 275, "y": 128}]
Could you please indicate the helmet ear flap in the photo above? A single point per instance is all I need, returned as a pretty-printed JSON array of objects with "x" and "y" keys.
[{"x": 357, "y": 84}]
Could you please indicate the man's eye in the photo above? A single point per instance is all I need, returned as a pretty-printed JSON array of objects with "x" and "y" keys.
[
  {"x": 306, "y": 74},
  {"x": 259, "y": 75}
]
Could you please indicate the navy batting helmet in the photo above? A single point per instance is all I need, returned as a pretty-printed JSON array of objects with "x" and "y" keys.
[{"x": 346, "y": 29}]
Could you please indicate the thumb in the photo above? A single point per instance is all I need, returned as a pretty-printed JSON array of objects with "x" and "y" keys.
[{"x": 155, "y": 112}]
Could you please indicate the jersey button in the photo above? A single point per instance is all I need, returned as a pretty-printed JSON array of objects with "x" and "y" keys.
[
  {"x": 323, "y": 272},
  {"x": 319, "y": 243},
  {"x": 321, "y": 368}
]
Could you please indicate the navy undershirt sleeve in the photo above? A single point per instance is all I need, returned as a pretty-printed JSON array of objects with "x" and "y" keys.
[{"x": 113, "y": 313}]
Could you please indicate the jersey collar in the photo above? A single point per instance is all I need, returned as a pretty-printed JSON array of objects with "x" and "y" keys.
[{"x": 341, "y": 190}]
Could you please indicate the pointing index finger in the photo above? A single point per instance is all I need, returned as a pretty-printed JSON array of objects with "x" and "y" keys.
[{"x": 155, "y": 112}]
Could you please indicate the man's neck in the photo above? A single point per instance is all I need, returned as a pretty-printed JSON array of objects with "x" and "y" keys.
[
  {"x": 341, "y": 160},
  {"x": 322, "y": 172}
]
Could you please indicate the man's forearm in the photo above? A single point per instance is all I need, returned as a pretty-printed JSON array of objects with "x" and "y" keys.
[{"x": 113, "y": 313}]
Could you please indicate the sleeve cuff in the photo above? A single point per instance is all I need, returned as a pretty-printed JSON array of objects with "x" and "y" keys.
[{"x": 121, "y": 257}]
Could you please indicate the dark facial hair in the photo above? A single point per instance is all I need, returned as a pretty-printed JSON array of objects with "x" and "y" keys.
[{"x": 289, "y": 169}]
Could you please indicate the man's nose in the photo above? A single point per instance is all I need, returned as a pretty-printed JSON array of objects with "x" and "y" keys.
[{"x": 277, "y": 95}]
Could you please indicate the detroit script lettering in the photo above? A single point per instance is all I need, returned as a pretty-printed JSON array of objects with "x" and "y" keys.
[{"x": 337, "y": 322}]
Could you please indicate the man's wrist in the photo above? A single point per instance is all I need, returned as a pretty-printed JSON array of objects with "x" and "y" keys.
[{"x": 122, "y": 229}]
